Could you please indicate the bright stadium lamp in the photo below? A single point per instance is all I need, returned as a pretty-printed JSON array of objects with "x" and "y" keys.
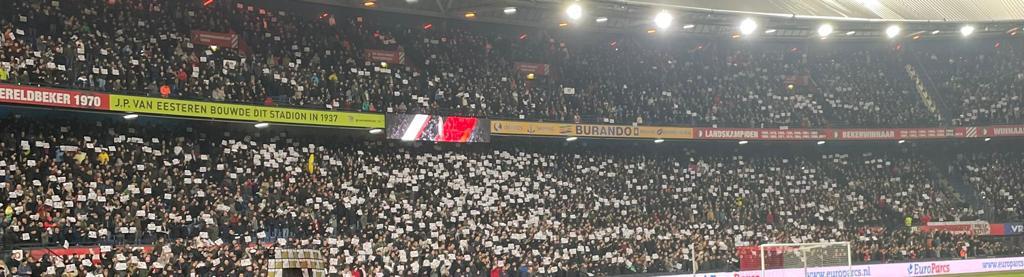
[
  {"x": 261, "y": 125},
  {"x": 967, "y": 30},
  {"x": 571, "y": 138},
  {"x": 893, "y": 31},
  {"x": 663, "y": 19},
  {"x": 748, "y": 26},
  {"x": 824, "y": 30},
  {"x": 659, "y": 140},
  {"x": 574, "y": 11},
  {"x": 130, "y": 116},
  {"x": 510, "y": 10},
  {"x": 820, "y": 142},
  {"x": 376, "y": 131}
]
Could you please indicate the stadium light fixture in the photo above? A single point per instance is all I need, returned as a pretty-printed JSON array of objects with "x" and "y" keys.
[
  {"x": 892, "y": 31},
  {"x": 571, "y": 138},
  {"x": 659, "y": 140},
  {"x": 742, "y": 142},
  {"x": 369, "y": 4},
  {"x": 470, "y": 14},
  {"x": 770, "y": 31},
  {"x": 748, "y": 26},
  {"x": 936, "y": 32},
  {"x": 850, "y": 33},
  {"x": 574, "y": 11},
  {"x": 375, "y": 131},
  {"x": 261, "y": 125},
  {"x": 510, "y": 10},
  {"x": 412, "y": 1},
  {"x": 825, "y": 29},
  {"x": 663, "y": 19},
  {"x": 601, "y": 19},
  {"x": 967, "y": 30},
  {"x": 820, "y": 142},
  {"x": 901, "y": 141},
  {"x": 988, "y": 139},
  {"x": 130, "y": 116},
  {"x": 689, "y": 26}
]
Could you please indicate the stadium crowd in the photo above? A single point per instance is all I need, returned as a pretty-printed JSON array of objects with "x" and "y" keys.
[
  {"x": 982, "y": 84},
  {"x": 997, "y": 177},
  {"x": 144, "y": 47},
  {"x": 215, "y": 201}
]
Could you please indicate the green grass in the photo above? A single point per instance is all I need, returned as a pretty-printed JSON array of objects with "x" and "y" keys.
[{"x": 991, "y": 274}]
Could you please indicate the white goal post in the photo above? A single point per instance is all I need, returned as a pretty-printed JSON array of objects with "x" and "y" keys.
[{"x": 793, "y": 259}]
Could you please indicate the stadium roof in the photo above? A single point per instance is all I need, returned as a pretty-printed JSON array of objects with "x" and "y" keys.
[
  {"x": 941, "y": 10},
  {"x": 791, "y": 18}
]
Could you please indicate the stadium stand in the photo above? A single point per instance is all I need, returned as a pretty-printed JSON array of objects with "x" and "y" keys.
[
  {"x": 997, "y": 177},
  {"x": 168, "y": 198},
  {"x": 214, "y": 200},
  {"x": 980, "y": 83},
  {"x": 287, "y": 59}
]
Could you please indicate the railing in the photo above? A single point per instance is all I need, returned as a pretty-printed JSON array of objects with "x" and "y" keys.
[{"x": 317, "y": 108}]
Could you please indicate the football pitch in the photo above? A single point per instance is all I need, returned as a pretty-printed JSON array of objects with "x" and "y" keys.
[{"x": 990, "y": 274}]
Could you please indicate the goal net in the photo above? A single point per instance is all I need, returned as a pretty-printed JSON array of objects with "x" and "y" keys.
[{"x": 797, "y": 259}]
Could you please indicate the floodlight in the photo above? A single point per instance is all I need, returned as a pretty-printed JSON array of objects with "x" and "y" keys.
[
  {"x": 748, "y": 26},
  {"x": 967, "y": 30},
  {"x": 663, "y": 19},
  {"x": 893, "y": 31},
  {"x": 574, "y": 11},
  {"x": 824, "y": 30}
]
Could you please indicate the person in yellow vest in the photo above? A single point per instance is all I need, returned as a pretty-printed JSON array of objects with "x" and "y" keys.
[
  {"x": 9, "y": 213},
  {"x": 79, "y": 157},
  {"x": 103, "y": 158},
  {"x": 3, "y": 74},
  {"x": 909, "y": 221},
  {"x": 310, "y": 163}
]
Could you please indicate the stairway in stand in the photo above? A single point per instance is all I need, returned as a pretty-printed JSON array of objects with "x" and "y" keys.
[{"x": 923, "y": 91}]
